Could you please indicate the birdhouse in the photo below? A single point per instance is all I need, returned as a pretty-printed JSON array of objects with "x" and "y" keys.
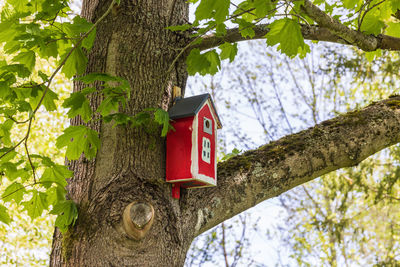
[{"x": 192, "y": 147}]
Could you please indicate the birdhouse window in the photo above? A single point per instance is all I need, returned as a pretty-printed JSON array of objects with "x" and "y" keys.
[
  {"x": 206, "y": 150},
  {"x": 207, "y": 126}
]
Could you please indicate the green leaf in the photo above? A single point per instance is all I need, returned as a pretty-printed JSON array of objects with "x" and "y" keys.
[
  {"x": 67, "y": 214},
  {"x": 206, "y": 63},
  {"x": 78, "y": 105},
  {"x": 48, "y": 49},
  {"x": 77, "y": 27},
  {"x": 55, "y": 194},
  {"x": 7, "y": 157},
  {"x": 35, "y": 95},
  {"x": 56, "y": 174},
  {"x": 372, "y": 24},
  {"x": 36, "y": 204},
  {"x": 88, "y": 90},
  {"x": 5, "y": 133},
  {"x": 215, "y": 62},
  {"x": 350, "y": 4},
  {"x": 43, "y": 76},
  {"x": 196, "y": 62},
  {"x": 245, "y": 28},
  {"x": 395, "y": 5},
  {"x": 19, "y": 69},
  {"x": 48, "y": 100},
  {"x": 219, "y": 10},
  {"x": 141, "y": 118},
  {"x": 118, "y": 118},
  {"x": 10, "y": 170},
  {"x": 89, "y": 40},
  {"x": 228, "y": 50},
  {"x": 75, "y": 64},
  {"x": 7, "y": 31},
  {"x": 393, "y": 29},
  {"x": 107, "y": 106},
  {"x": 372, "y": 55},
  {"x": 287, "y": 33},
  {"x": 220, "y": 30},
  {"x": 263, "y": 7},
  {"x": 162, "y": 117},
  {"x": 14, "y": 191},
  {"x": 4, "y": 217},
  {"x": 18, "y": 5},
  {"x": 78, "y": 140},
  {"x": 246, "y": 16},
  {"x": 26, "y": 58}
]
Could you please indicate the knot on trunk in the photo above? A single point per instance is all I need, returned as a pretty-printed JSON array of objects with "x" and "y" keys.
[{"x": 137, "y": 219}]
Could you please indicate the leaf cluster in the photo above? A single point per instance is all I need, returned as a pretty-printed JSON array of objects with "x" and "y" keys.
[
  {"x": 44, "y": 30},
  {"x": 283, "y": 20},
  {"x": 30, "y": 32}
]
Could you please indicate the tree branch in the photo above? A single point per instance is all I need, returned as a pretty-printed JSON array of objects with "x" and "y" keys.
[
  {"x": 248, "y": 179},
  {"x": 363, "y": 41},
  {"x": 328, "y": 30},
  {"x": 233, "y": 35}
]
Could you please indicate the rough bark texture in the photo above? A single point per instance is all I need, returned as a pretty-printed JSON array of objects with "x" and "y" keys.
[
  {"x": 130, "y": 167},
  {"x": 272, "y": 169},
  {"x": 132, "y": 42}
]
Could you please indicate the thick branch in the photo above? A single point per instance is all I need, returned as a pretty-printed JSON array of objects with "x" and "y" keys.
[
  {"x": 363, "y": 41},
  {"x": 233, "y": 35},
  {"x": 329, "y": 30},
  {"x": 272, "y": 169}
]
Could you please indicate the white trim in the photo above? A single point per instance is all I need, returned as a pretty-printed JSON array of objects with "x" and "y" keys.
[
  {"x": 194, "y": 167},
  {"x": 208, "y": 181},
  {"x": 181, "y": 180},
  {"x": 205, "y": 179},
  {"x": 215, "y": 153}
]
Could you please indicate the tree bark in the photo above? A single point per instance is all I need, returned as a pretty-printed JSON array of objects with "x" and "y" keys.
[
  {"x": 131, "y": 42},
  {"x": 257, "y": 175},
  {"x": 130, "y": 167}
]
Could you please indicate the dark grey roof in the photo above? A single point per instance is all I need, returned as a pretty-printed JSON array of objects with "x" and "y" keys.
[{"x": 190, "y": 106}]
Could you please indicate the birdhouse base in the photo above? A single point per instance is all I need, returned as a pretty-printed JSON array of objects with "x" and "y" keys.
[{"x": 193, "y": 183}]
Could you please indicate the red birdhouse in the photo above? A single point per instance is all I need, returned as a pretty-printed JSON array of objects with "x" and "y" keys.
[{"x": 192, "y": 147}]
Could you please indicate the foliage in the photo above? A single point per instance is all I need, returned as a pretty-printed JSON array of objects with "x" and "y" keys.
[
  {"x": 34, "y": 35},
  {"x": 284, "y": 20},
  {"x": 25, "y": 241}
]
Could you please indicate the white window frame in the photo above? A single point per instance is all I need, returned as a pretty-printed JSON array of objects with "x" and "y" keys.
[
  {"x": 206, "y": 150},
  {"x": 209, "y": 128}
]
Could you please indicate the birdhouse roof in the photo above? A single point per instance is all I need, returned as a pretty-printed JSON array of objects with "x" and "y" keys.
[{"x": 190, "y": 106}]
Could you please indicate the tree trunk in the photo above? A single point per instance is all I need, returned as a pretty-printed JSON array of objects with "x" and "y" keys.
[
  {"x": 131, "y": 42},
  {"x": 129, "y": 169}
]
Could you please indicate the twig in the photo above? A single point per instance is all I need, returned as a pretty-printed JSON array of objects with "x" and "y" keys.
[{"x": 27, "y": 151}]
